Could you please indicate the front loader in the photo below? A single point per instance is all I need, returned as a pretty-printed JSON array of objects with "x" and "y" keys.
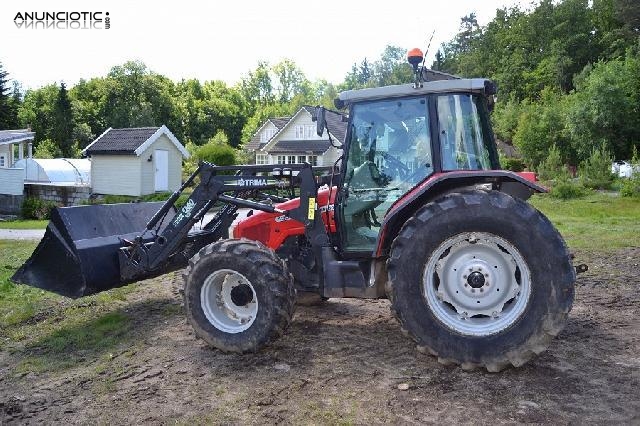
[{"x": 416, "y": 210}]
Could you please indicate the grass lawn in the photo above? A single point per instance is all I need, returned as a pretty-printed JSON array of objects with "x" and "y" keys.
[
  {"x": 23, "y": 224},
  {"x": 596, "y": 222},
  {"x": 52, "y": 332}
]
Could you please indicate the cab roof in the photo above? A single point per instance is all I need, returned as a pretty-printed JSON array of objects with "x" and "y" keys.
[{"x": 473, "y": 85}]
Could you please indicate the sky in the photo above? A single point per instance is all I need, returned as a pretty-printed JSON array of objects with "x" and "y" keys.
[{"x": 224, "y": 40}]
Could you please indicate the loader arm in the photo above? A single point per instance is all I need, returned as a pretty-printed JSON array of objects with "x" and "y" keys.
[{"x": 90, "y": 249}]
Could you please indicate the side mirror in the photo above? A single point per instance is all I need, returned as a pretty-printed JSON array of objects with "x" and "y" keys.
[{"x": 321, "y": 122}]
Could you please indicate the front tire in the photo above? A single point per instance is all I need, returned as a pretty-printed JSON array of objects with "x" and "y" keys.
[
  {"x": 239, "y": 296},
  {"x": 481, "y": 279}
]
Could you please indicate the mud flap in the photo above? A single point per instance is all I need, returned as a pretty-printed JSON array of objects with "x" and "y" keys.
[{"x": 78, "y": 255}]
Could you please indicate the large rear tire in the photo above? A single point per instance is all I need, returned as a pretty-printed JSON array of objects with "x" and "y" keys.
[
  {"x": 481, "y": 279},
  {"x": 239, "y": 295}
]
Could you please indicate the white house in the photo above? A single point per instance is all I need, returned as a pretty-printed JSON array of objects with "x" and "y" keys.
[
  {"x": 293, "y": 140},
  {"x": 136, "y": 161},
  {"x": 13, "y": 145}
]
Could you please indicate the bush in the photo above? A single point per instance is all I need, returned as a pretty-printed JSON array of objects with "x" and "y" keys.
[
  {"x": 217, "y": 151},
  {"x": 552, "y": 168},
  {"x": 35, "y": 208},
  {"x": 513, "y": 164},
  {"x": 631, "y": 187},
  {"x": 595, "y": 171},
  {"x": 565, "y": 189}
]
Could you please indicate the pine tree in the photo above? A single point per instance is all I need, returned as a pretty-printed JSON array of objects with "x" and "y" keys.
[
  {"x": 8, "y": 107},
  {"x": 62, "y": 129}
]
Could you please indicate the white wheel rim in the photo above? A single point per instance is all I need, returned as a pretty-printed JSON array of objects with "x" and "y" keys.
[
  {"x": 477, "y": 284},
  {"x": 226, "y": 302}
]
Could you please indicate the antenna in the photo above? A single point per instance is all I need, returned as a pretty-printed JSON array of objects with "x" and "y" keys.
[{"x": 424, "y": 58}]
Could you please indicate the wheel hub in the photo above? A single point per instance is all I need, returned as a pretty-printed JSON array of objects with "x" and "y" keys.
[
  {"x": 241, "y": 295},
  {"x": 229, "y": 301},
  {"x": 476, "y": 279},
  {"x": 474, "y": 283}
]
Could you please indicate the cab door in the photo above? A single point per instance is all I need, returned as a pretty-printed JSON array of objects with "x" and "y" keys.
[{"x": 389, "y": 153}]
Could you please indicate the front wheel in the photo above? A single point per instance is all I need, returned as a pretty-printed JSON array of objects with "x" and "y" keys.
[
  {"x": 493, "y": 284},
  {"x": 239, "y": 295}
]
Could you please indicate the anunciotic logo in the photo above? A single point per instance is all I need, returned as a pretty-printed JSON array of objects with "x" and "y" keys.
[{"x": 63, "y": 20}]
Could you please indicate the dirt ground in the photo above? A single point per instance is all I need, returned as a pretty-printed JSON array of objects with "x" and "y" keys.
[{"x": 343, "y": 362}]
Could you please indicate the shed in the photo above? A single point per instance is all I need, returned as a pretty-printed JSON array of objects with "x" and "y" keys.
[{"x": 136, "y": 161}]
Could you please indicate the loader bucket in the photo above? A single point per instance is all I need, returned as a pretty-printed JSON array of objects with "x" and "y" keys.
[{"x": 78, "y": 255}]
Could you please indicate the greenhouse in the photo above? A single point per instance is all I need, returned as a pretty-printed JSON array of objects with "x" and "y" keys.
[{"x": 56, "y": 171}]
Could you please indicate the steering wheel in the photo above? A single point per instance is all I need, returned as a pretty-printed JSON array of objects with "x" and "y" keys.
[{"x": 395, "y": 166}]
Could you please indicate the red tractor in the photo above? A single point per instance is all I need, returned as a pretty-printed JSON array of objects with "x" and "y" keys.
[{"x": 416, "y": 210}]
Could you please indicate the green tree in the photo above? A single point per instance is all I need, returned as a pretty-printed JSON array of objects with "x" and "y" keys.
[
  {"x": 541, "y": 126},
  {"x": 8, "y": 103},
  {"x": 595, "y": 171},
  {"x": 217, "y": 151},
  {"x": 290, "y": 81},
  {"x": 606, "y": 108},
  {"x": 47, "y": 149},
  {"x": 37, "y": 110},
  {"x": 257, "y": 86},
  {"x": 63, "y": 123},
  {"x": 391, "y": 68}
]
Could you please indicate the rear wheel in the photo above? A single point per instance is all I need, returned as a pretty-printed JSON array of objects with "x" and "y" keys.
[
  {"x": 239, "y": 295},
  {"x": 492, "y": 285}
]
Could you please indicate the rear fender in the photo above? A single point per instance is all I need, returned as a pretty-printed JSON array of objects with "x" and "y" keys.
[{"x": 517, "y": 185}]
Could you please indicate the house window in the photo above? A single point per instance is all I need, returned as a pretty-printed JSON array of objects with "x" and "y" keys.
[
  {"x": 282, "y": 159},
  {"x": 267, "y": 134},
  {"x": 305, "y": 132},
  {"x": 313, "y": 160},
  {"x": 261, "y": 159},
  {"x": 292, "y": 159},
  {"x": 308, "y": 131},
  {"x": 301, "y": 159},
  {"x": 3, "y": 161}
]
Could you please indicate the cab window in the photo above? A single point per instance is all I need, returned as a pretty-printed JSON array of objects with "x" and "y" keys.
[{"x": 464, "y": 142}]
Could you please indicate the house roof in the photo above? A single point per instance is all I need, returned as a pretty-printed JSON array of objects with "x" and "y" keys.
[
  {"x": 337, "y": 128},
  {"x": 130, "y": 141},
  {"x": 14, "y": 136},
  {"x": 307, "y": 145},
  {"x": 255, "y": 143}
]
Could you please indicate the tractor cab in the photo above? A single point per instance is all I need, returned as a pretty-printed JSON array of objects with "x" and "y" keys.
[{"x": 399, "y": 138}]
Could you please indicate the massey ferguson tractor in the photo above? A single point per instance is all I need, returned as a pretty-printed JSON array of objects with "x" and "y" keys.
[{"x": 416, "y": 209}]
